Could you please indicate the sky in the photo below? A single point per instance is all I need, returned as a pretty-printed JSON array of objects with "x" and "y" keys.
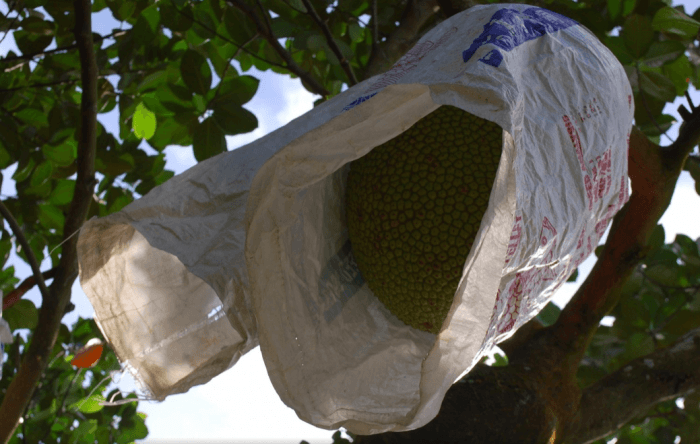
[{"x": 240, "y": 405}]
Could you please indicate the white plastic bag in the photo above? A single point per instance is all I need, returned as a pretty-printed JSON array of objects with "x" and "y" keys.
[{"x": 158, "y": 271}]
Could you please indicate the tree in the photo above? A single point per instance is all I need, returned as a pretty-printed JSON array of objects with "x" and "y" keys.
[{"x": 577, "y": 382}]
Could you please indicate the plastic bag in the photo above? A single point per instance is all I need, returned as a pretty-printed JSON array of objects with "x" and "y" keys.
[{"x": 251, "y": 247}]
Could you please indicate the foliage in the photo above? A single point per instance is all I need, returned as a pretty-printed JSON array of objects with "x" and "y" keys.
[
  {"x": 66, "y": 396},
  {"x": 169, "y": 72},
  {"x": 660, "y": 303}
]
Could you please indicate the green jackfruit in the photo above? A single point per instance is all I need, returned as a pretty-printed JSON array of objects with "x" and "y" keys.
[{"x": 414, "y": 205}]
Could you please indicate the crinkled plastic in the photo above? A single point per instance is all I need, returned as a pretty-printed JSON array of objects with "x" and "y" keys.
[{"x": 251, "y": 247}]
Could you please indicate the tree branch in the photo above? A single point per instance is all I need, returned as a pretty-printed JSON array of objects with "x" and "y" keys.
[
  {"x": 654, "y": 171},
  {"x": 15, "y": 295},
  {"x": 12, "y": 23},
  {"x": 58, "y": 50},
  {"x": 291, "y": 65},
  {"x": 636, "y": 387},
  {"x": 331, "y": 42},
  {"x": 40, "y": 85},
  {"x": 36, "y": 357},
  {"x": 417, "y": 13},
  {"x": 27, "y": 249},
  {"x": 240, "y": 47}
]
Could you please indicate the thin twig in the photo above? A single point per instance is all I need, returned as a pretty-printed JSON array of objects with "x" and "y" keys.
[
  {"x": 9, "y": 27},
  {"x": 15, "y": 295},
  {"x": 40, "y": 85},
  {"x": 331, "y": 42},
  {"x": 291, "y": 65},
  {"x": 286, "y": 2},
  {"x": 265, "y": 15},
  {"x": 27, "y": 249},
  {"x": 61, "y": 49},
  {"x": 10, "y": 5},
  {"x": 240, "y": 47},
  {"x": 135, "y": 70},
  {"x": 223, "y": 75}
]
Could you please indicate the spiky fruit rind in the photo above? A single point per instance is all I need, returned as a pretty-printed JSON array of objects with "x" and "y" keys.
[{"x": 414, "y": 206}]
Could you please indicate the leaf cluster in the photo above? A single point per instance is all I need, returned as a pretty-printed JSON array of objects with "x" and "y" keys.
[
  {"x": 660, "y": 303},
  {"x": 66, "y": 405}
]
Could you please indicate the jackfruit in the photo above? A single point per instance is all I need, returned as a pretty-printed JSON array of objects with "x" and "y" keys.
[{"x": 414, "y": 205}]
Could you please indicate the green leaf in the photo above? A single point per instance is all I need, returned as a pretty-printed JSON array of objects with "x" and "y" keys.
[
  {"x": 237, "y": 26},
  {"x": 237, "y": 90},
  {"x": 90, "y": 404},
  {"x": 135, "y": 427},
  {"x": 113, "y": 163},
  {"x": 501, "y": 360},
  {"x": 175, "y": 98},
  {"x": 234, "y": 119},
  {"x": 672, "y": 21},
  {"x": 634, "y": 313},
  {"x": 152, "y": 81},
  {"x": 62, "y": 155},
  {"x": 208, "y": 140},
  {"x": 22, "y": 315},
  {"x": 148, "y": 22},
  {"x": 195, "y": 72},
  {"x": 657, "y": 239},
  {"x": 637, "y": 34},
  {"x": 34, "y": 35},
  {"x": 686, "y": 245},
  {"x": 356, "y": 32},
  {"x": 51, "y": 216},
  {"x": 664, "y": 275},
  {"x": 315, "y": 42},
  {"x": 5, "y": 158},
  {"x": 62, "y": 193},
  {"x": 152, "y": 103},
  {"x": 573, "y": 276},
  {"x": 85, "y": 432},
  {"x": 658, "y": 86},
  {"x": 120, "y": 9},
  {"x": 549, "y": 314},
  {"x": 171, "y": 131},
  {"x": 24, "y": 170},
  {"x": 639, "y": 344},
  {"x": 33, "y": 116},
  {"x": 679, "y": 71},
  {"x": 174, "y": 20},
  {"x": 283, "y": 28},
  {"x": 41, "y": 174},
  {"x": 7, "y": 278},
  {"x": 144, "y": 122},
  {"x": 119, "y": 203},
  {"x": 5, "y": 248},
  {"x": 614, "y": 8},
  {"x": 682, "y": 322},
  {"x": 663, "y": 52}
]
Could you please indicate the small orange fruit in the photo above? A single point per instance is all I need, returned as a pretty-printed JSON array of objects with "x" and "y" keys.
[{"x": 89, "y": 355}]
